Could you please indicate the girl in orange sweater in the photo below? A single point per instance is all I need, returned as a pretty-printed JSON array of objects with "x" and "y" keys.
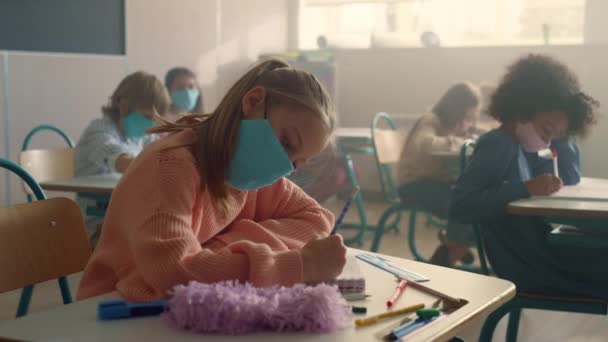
[{"x": 210, "y": 202}]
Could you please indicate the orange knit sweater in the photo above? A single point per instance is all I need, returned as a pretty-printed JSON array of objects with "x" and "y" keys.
[{"x": 161, "y": 230}]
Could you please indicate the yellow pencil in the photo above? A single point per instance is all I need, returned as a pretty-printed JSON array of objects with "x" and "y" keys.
[{"x": 375, "y": 319}]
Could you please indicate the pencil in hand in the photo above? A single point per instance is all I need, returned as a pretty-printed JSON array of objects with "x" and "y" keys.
[{"x": 349, "y": 201}]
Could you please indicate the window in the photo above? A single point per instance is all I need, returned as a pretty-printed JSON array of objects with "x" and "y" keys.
[{"x": 400, "y": 23}]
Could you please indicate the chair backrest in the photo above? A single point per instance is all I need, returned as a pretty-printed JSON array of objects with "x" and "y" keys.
[
  {"x": 388, "y": 146},
  {"x": 45, "y": 165},
  {"x": 40, "y": 241},
  {"x": 30, "y": 135}
]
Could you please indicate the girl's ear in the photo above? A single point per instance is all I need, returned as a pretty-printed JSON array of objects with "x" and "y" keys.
[{"x": 253, "y": 103}]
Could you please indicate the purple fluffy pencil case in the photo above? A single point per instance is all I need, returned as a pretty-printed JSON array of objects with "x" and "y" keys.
[{"x": 233, "y": 308}]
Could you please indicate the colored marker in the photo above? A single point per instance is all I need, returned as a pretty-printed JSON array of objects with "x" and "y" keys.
[
  {"x": 388, "y": 314},
  {"x": 398, "y": 291},
  {"x": 350, "y": 199},
  {"x": 118, "y": 309},
  {"x": 425, "y": 316},
  {"x": 355, "y": 296}
]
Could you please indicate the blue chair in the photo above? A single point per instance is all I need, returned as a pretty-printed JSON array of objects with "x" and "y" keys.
[
  {"x": 33, "y": 132},
  {"x": 26, "y": 293},
  {"x": 385, "y": 156},
  {"x": 30, "y": 135},
  {"x": 388, "y": 144},
  {"x": 398, "y": 207},
  {"x": 56, "y": 164}
]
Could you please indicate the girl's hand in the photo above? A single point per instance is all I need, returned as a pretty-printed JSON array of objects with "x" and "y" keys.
[
  {"x": 323, "y": 259},
  {"x": 544, "y": 185}
]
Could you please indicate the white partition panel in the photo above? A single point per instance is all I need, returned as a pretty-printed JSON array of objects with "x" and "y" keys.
[{"x": 65, "y": 90}]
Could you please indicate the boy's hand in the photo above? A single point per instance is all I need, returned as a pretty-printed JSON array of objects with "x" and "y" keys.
[{"x": 544, "y": 185}]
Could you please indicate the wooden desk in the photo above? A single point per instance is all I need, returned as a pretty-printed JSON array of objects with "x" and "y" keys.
[
  {"x": 585, "y": 202},
  {"x": 353, "y": 133},
  {"x": 545, "y": 206},
  {"x": 78, "y": 321},
  {"x": 103, "y": 184}
]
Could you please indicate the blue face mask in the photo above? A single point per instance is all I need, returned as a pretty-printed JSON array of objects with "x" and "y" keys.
[
  {"x": 185, "y": 99},
  {"x": 259, "y": 158},
  {"x": 136, "y": 125}
]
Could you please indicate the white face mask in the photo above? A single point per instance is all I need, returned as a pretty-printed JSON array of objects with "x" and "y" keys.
[{"x": 529, "y": 138}]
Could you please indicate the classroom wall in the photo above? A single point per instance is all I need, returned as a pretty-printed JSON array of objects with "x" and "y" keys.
[
  {"x": 161, "y": 35},
  {"x": 411, "y": 80},
  {"x": 68, "y": 96},
  {"x": 217, "y": 39}
]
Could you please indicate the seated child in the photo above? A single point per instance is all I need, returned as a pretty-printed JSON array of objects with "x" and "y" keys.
[
  {"x": 425, "y": 179},
  {"x": 185, "y": 93},
  {"x": 538, "y": 100},
  {"x": 110, "y": 143},
  {"x": 210, "y": 202}
]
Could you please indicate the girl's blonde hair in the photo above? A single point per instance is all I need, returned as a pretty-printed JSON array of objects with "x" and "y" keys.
[
  {"x": 217, "y": 132},
  {"x": 140, "y": 91}
]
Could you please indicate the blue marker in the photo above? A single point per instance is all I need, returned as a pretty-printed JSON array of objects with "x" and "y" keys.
[
  {"x": 118, "y": 309},
  {"x": 425, "y": 316},
  {"x": 350, "y": 199}
]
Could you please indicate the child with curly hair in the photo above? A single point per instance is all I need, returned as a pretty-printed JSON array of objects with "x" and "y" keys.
[{"x": 538, "y": 100}]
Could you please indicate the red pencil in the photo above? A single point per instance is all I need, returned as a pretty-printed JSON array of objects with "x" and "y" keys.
[{"x": 398, "y": 291}]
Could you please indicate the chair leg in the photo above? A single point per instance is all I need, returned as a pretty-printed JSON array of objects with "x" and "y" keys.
[
  {"x": 513, "y": 325},
  {"x": 362, "y": 216},
  {"x": 481, "y": 251},
  {"x": 24, "y": 300},
  {"x": 411, "y": 240},
  {"x": 66, "y": 295},
  {"x": 487, "y": 331},
  {"x": 382, "y": 226}
]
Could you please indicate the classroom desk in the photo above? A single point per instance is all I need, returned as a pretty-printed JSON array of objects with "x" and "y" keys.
[
  {"x": 354, "y": 135},
  {"x": 560, "y": 207},
  {"x": 589, "y": 201},
  {"x": 78, "y": 321},
  {"x": 587, "y": 208},
  {"x": 102, "y": 184}
]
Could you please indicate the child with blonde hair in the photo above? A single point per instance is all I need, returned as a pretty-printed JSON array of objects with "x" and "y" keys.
[
  {"x": 210, "y": 201},
  {"x": 110, "y": 143}
]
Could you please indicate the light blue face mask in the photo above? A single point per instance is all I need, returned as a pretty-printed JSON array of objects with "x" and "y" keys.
[
  {"x": 136, "y": 125},
  {"x": 259, "y": 158},
  {"x": 185, "y": 99}
]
